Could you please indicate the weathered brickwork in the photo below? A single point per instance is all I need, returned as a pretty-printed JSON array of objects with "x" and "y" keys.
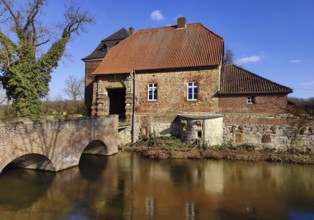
[
  {"x": 264, "y": 104},
  {"x": 90, "y": 92},
  {"x": 172, "y": 92},
  {"x": 61, "y": 142},
  {"x": 117, "y": 81},
  {"x": 282, "y": 131},
  {"x": 155, "y": 124},
  {"x": 161, "y": 117}
]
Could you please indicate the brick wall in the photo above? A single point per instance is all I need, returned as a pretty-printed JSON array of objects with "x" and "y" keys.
[
  {"x": 264, "y": 104},
  {"x": 172, "y": 92},
  {"x": 90, "y": 66}
]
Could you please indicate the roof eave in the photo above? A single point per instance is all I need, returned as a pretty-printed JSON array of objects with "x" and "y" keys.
[
  {"x": 160, "y": 69},
  {"x": 253, "y": 93}
]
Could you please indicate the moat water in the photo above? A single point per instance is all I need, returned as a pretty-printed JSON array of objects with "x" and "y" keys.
[{"x": 126, "y": 186}]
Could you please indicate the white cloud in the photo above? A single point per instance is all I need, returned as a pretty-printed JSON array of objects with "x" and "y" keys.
[
  {"x": 249, "y": 59},
  {"x": 294, "y": 61},
  {"x": 310, "y": 83},
  {"x": 157, "y": 15}
]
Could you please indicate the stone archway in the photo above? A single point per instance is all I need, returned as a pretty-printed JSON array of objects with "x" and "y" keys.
[
  {"x": 96, "y": 147},
  {"x": 32, "y": 161},
  {"x": 111, "y": 98}
]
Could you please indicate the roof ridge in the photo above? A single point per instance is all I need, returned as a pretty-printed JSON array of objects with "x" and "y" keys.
[
  {"x": 210, "y": 30},
  {"x": 174, "y": 26},
  {"x": 115, "y": 33}
]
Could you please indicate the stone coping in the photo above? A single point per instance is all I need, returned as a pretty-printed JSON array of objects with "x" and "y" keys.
[
  {"x": 201, "y": 116},
  {"x": 44, "y": 119}
]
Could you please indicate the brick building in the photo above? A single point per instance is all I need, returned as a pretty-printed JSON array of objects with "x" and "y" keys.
[
  {"x": 93, "y": 60},
  {"x": 170, "y": 81}
]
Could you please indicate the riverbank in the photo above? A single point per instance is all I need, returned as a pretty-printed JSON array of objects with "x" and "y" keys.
[{"x": 170, "y": 148}]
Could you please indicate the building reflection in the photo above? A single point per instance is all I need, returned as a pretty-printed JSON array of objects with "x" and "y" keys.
[
  {"x": 126, "y": 186},
  {"x": 218, "y": 189}
]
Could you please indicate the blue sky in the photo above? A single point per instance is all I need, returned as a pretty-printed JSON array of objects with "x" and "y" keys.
[{"x": 272, "y": 38}]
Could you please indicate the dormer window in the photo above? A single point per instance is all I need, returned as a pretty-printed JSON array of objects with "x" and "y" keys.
[{"x": 250, "y": 100}]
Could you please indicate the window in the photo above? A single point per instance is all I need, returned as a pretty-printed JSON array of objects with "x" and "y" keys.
[
  {"x": 250, "y": 100},
  {"x": 152, "y": 92},
  {"x": 192, "y": 91}
]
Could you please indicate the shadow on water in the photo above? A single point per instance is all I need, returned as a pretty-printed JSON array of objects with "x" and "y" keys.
[
  {"x": 181, "y": 175},
  {"x": 92, "y": 166},
  {"x": 26, "y": 185}
]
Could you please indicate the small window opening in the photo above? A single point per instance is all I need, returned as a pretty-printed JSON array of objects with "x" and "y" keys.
[
  {"x": 250, "y": 100},
  {"x": 199, "y": 134}
]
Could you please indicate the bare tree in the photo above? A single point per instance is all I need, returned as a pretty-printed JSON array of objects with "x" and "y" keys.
[
  {"x": 74, "y": 88},
  {"x": 25, "y": 65},
  {"x": 228, "y": 57}
]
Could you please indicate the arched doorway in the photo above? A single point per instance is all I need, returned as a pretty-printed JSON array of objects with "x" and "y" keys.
[{"x": 117, "y": 102}]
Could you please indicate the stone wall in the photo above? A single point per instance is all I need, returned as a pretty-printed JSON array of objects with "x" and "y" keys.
[
  {"x": 280, "y": 131},
  {"x": 56, "y": 144},
  {"x": 264, "y": 103},
  {"x": 204, "y": 131},
  {"x": 121, "y": 81},
  {"x": 274, "y": 131}
]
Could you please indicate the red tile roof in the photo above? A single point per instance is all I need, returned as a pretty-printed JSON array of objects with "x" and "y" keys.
[
  {"x": 164, "y": 48},
  {"x": 235, "y": 80}
]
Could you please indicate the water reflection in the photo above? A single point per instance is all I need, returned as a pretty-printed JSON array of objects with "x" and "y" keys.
[
  {"x": 126, "y": 186},
  {"x": 20, "y": 188}
]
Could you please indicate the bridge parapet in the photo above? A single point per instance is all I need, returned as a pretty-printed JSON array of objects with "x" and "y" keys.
[{"x": 56, "y": 143}]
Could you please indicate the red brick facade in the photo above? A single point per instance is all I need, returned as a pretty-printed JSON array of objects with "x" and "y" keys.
[
  {"x": 90, "y": 66},
  {"x": 172, "y": 92},
  {"x": 263, "y": 104}
]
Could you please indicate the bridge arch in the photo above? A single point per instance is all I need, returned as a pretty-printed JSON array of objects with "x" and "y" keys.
[
  {"x": 56, "y": 144},
  {"x": 96, "y": 147},
  {"x": 29, "y": 161}
]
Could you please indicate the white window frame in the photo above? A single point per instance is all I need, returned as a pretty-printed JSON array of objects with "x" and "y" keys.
[
  {"x": 250, "y": 100},
  {"x": 193, "y": 86},
  {"x": 152, "y": 92}
]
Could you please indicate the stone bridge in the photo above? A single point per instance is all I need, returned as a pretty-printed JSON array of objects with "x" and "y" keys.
[{"x": 56, "y": 144}]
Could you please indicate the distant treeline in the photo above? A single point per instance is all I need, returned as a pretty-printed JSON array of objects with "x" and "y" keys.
[
  {"x": 306, "y": 105},
  {"x": 59, "y": 107}
]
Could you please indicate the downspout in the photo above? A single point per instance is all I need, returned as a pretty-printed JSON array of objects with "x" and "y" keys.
[
  {"x": 134, "y": 108},
  {"x": 219, "y": 77}
]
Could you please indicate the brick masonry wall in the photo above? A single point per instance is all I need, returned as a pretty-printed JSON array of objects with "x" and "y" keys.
[
  {"x": 160, "y": 117},
  {"x": 264, "y": 104},
  {"x": 90, "y": 67},
  {"x": 172, "y": 92}
]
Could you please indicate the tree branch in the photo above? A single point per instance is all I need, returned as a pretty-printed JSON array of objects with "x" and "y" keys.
[
  {"x": 16, "y": 18},
  {"x": 42, "y": 43},
  {"x": 32, "y": 14}
]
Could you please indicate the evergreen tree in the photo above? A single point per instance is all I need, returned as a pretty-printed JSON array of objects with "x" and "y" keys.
[{"x": 26, "y": 73}]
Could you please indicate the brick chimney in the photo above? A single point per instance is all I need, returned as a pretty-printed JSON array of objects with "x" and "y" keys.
[
  {"x": 131, "y": 30},
  {"x": 181, "y": 22}
]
